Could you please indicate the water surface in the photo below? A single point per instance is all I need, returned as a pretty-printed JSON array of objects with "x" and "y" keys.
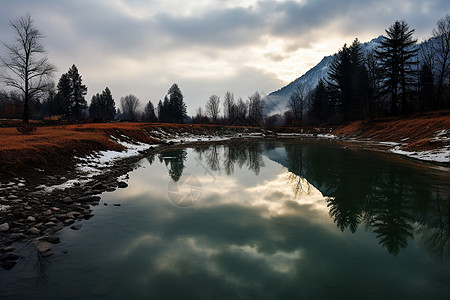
[{"x": 255, "y": 220}]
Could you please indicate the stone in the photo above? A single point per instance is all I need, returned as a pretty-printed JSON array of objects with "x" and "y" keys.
[
  {"x": 67, "y": 200},
  {"x": 88, "y": 199},
  {"x": 13, "y": 256},
  {"x": 122, "y": 184},
  {"x": 12, "y": 197},
  {"x": 8, "y": 265},
  {"x": 69, "y": 221},
  {"x": 52, "y": 239},
  {"x": 73, "y": 215},
  {"x": 76, "y": 227},
  {"x": 117, "y": 204},
  {"x": 34, "y": 230},
  {"x": 9, "y": 249},
  {"x": 4, "y": 227},
  {"x": 42, "y": 246},
  {"x": 31, "y": 219}
]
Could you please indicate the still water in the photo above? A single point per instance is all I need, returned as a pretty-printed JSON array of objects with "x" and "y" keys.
[{"x": 255, "y": 220}]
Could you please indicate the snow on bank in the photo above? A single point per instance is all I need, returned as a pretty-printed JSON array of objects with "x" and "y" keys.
[{"x": 439, "y": 155}]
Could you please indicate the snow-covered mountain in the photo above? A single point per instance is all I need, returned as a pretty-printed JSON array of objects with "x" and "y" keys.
[{"x": 276, "y": 102}]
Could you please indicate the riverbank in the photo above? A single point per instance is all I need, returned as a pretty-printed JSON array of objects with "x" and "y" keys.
[{"x": 52, "y": 178}]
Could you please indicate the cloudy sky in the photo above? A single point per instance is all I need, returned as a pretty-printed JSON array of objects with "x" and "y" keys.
[{"x": 208, "y": 47}]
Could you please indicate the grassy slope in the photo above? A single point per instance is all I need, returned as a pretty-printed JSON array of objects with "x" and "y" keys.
[{"x": 415, "y": 132}]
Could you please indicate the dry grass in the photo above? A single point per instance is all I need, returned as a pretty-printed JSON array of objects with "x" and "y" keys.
[{"x": 415, "y": 132}]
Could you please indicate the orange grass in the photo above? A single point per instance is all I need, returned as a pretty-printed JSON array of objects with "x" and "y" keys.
[{"x": 415, "y": 132}]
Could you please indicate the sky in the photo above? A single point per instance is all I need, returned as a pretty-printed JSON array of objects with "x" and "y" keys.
[{"x": 207, "y": 47}]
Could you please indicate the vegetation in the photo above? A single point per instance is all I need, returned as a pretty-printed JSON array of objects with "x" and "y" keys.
[{"x": 392, "y": 80}]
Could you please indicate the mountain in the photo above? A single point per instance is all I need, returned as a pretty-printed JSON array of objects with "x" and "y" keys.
[{"x": 276, "y": 102}]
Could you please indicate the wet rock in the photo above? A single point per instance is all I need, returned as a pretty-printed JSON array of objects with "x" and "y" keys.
[
  {"x": 73, "y": 215},
  {"x": 31, "y": 219},
  {"x": 76, "y": 227},
  {"x": 67, "y": 200},
  {"x": 84, "y": 199},
  {"x": 34, "y": 230},
  {"x": 9, "y": 249},
  {"x": 122, "y": 184},
  {"x": 52, "y": 239},
  {"x": 43, "y": 246},
  {"x": 8, "y": 265},
  {"x": 10, "y": 256},
  {"x": 4, "y": 227},
  {"x": 69, "y": 221}
]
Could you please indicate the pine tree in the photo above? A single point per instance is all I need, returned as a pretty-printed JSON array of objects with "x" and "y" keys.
[
  {"x": 78, "y": 91},
  {"x": 348, "y": 81},
  {"x": 109, "y": 105},
  {"x": 176, "y": 105},
  {"x": 397, "y": 58},
  {"x": 321, "y": 108},
  {"x": 63, "y": 96},
  {"x": 149, "y": 112}
]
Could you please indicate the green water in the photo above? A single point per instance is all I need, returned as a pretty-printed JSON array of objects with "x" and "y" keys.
[{"x": 255, "y": 220}]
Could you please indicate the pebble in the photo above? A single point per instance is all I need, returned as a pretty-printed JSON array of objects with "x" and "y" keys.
[
  {"x": 4, "y": 227},
  {"x": 34, "y": 230}
]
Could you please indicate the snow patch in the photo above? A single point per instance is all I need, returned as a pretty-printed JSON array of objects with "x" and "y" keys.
[{"x": 439, "y": 155}]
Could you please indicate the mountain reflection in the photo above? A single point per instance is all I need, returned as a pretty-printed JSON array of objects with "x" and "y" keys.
[{"x": 363, "y": 188}]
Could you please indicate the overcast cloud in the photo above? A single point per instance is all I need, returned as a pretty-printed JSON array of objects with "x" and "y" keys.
[{"x": 141, "y": 47}]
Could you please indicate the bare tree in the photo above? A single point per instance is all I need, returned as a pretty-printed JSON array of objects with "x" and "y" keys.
[
  {"x": 441, "y": 49},
  {"x": 256, "y": 109},
  {"x": 212, "y": 107},
  {"x": 228, "y": 106},
  {"x": 241, "y": 110},
  {"x": 296, "y": 103},
  {"x": 130, "y": 105},
  {"x": 26, "y": 65}
]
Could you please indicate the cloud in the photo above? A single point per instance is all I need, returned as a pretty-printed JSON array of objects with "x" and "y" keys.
[{"x": 207, "y": 46}]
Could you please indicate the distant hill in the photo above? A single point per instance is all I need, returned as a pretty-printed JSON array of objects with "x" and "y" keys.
[{"x": 276, "y": 101}]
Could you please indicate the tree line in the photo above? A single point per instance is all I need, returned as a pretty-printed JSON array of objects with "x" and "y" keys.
[
  {"x": 395, "y": 79},
  {"x": 391, "y": 80}
]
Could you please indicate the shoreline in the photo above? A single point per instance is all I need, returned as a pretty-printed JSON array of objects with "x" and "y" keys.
[{"x": 35, "y": 210}]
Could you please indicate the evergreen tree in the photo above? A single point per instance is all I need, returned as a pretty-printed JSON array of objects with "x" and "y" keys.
[
  {"x": 95, "y": 107},
  {"x": 176, "y": 105},
  {"x": 149, "y": 112},
  {"x": 109, "y": 111},
  {"x": 78, "y": 91},
  {"x": 348, "y": 81},
  {"x": 103, "y": 107},
  {"x": 397, "y": 58},
  {"x": 63, "y": 96},
  {"x": 320, "y": 106}
]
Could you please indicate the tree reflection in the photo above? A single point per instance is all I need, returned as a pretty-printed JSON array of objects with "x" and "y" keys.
[
  {"x": 435, "y": 234},
  {"x": 174, "y": 161},
  {"x": 361, "y": 188}
]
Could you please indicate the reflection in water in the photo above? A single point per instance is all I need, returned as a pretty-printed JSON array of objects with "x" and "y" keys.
[
  {"x": 366, "y": 188},
  {"x": 359, "y": 190},
  {"x": 174, "y": 161},
  {"x": 262, "y": 230}
]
